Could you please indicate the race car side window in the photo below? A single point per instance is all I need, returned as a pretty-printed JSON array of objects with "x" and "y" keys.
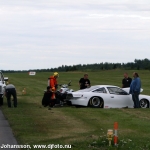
[
  {"x": 117, "y": 91},
  {"x": 100, "y": 90}
]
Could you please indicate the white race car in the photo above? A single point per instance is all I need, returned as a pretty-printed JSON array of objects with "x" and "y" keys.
[{"x": 106, "y": 96}]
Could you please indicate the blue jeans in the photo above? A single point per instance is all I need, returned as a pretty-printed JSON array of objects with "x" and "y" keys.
[
  {"x": 135, "y": 97},
  {"x": 12, "y": 92}
]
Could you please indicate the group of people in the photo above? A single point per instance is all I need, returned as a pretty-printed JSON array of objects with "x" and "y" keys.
[
  {"x": 49, "y": 98},
  {"x": 127, "y": 82},
  {"x": 135, "y": 87}
]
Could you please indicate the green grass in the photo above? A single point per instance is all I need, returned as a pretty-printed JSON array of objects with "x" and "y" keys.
[{"x": 83, "y": 128}]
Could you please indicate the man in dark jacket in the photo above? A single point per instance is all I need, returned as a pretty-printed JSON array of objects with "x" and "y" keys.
[
  {"x": 126, "y": 81},
  {"x": 84, "y": 82},
  {"x": 10, "y": 90}
]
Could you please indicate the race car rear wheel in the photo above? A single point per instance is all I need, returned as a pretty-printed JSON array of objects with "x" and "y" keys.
[
  {"x": 96, "y": 102},
  {"x": 144, "y": 103}
]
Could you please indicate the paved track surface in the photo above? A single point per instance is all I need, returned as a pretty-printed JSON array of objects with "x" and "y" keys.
[{"x": 6, "y": 134}]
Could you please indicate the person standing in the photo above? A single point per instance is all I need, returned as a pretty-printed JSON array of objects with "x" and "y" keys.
[
  {"x": 10, "y": 90},
  {"x": 53, "y": 87},
  {"x": 135, "y": 88},
  {"x": 126, "y": 81},
  {"x": 84, "y": 82}
]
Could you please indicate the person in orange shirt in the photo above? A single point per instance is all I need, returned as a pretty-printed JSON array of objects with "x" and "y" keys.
[{"x": 53, "y": 87}]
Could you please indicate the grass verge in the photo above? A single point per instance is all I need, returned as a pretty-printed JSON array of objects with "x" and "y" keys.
[{"x": 82, "y": 128}]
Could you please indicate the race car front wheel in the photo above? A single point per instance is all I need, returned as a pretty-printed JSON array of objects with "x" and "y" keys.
[
  {"x": 96, "y": 102},
  {"x": 144, "y": 103}
]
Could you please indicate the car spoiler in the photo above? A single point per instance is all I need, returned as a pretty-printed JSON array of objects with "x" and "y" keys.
[{"x": 127, "y": 89}]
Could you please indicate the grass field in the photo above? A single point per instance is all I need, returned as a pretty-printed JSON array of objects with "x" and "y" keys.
[{"x": 82, "y": 128}]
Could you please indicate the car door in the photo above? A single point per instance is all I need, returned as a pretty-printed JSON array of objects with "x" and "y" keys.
[
  {"x": 119, "y": 98},
  {"x": 103, "y": 94}
]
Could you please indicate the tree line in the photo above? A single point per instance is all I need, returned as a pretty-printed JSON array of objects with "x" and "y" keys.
[{"x": 138, "y": 64}]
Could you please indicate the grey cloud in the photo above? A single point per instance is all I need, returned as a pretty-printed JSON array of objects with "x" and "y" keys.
[{"x": 97, "y": 30}]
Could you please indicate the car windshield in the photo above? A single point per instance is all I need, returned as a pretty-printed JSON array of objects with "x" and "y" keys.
[{"x": 89, "y": 89}]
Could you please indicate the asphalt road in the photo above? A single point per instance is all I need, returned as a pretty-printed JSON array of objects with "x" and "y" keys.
[{"x": 6, "y": 134}]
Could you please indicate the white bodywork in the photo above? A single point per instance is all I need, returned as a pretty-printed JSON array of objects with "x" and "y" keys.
[
  {"x": 109, "y": 95},
  {"x": 2, "y": 84}
]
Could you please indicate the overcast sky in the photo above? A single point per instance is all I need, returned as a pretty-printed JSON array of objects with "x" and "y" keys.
[{"x": 41, "y": 34}]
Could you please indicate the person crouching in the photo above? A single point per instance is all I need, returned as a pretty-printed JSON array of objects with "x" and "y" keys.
[{"x": 11, "y": 90}]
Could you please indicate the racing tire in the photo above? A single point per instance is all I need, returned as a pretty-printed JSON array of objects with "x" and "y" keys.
[
  {"x": 144, "y": 103},
  {"x": 96, "y": 102}
]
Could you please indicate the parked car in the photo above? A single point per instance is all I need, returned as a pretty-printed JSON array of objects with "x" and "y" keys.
[
  {"x": 105, "y": 96},
  {"x": 2, "y": 86}
]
